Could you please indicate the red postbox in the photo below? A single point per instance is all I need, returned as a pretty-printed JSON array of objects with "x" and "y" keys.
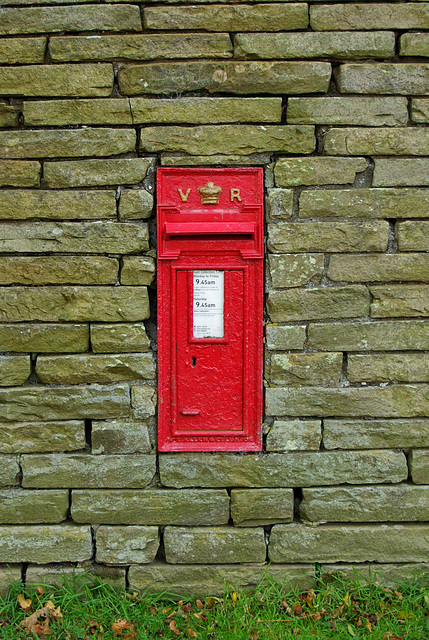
[{"x": 210, "y": 305}]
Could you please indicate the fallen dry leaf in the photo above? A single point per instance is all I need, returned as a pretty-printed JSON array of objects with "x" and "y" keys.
[
  {"x": 192, "y": 633},
  {"x": 173, "y": 628},
  {"x": 199, "y": 603},
  {"x": 24, "y": 603},
  {"x": 119, "y": 625}
]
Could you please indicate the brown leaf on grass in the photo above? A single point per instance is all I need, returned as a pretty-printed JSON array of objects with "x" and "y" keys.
[
  {"x": 37, "y": 623},
  {"x": 187, "y": 608},
  {"x": 390, "y": 636},
  {"x": 40, "y": 592},
  {"x": 253, "y": 635},
  {"x": 171, "y": 615},
  {"x": 192, "y": 633},
  {"x": 24, "y": 603},
  {"x": 297, "y": 609},
  {"x": 173, "y": 628},
  {"x": 199, "y": 604},
  {"x": 119, "y": 626},
  {"x": 368, "y": 626}
]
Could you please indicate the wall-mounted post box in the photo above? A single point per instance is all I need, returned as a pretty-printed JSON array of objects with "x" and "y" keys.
[{"x": 210, "y": 304}]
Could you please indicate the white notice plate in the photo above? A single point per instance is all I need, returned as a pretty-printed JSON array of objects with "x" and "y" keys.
[{"x": 208, "y": 300}]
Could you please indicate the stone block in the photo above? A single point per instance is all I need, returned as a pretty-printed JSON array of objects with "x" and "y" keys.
[
  {"x": 375, "y": 141},
  {"x": 383, "y": 78},
  {"x": 388, "y": 367},
  {"x": 137, "y": 270},
  {"x": 190, "y": 507},
  {"x": 58, "y": 270},
  {"x": 399, "y": 300},
  {"x": 420, "y": 109},
  {"x": 386, "y": 574},
  {"x": 395, "y": 401},
  {"x": 119, "y": 436},
  {"x": 227, "y": 77},
  {"x": 84, "y": 111},
  {"x": 414, "y": 44},
  {"x": 95, "y": 173},
  {"x": 397, "y": 335},
  {"x": 398, "y": 172},
  {"x": 252, "y": 507},
  {"x": 349, "y": 543},
  {"x": 295, "y": 269},
  {"x": 419, "y": 466},
  {"x": 43, "y": 543},
  {"x": 44, "y": 337},
  {"x": 26, "y": 204},
  {"x": 288, "y": 237},
  {"x": 19, "y": 173},
  {"x": 35, "y": 437},
  {"x": 279, "y": 203},
  {"x": 212, "y": 545},
  {"x": 63, "y": 143},
  {"x": 126, "y": 545},
  {"x": 413, "y": 236},
  {"x": 218, "y": 159},
  {"x": 117, "y": 338},
  {"x": 376, "y": 434},
  {"x": 14, "y": 370},
  {"x": 22, "y": 50},
  {"x": 77, "y": 576},
  {"x": 69, "y": 470},
  {"x": 306, "y": 368},
  {"x": 294, "y": 172},
  {"x": 347, "y": 17},
  {"x": 135, "y": 204},
  {"x": 143, "y": 402},
  {"x": 33, "y": 507},
  {"x": 74, "y": 304},
  {"x": 9, "y": 573},
  {"x": 9, "y": 469},
  {"x": 86, "y": 368},
  {"x": 294, "y": 435},
  {"x": 295, "y": 469},
  {"x": 400, "y": 503},
  {"x": 8, "y": 116},
  {"x": 286, "y": 337},
  {"x": 340, "y": 110},
  {"x": 66, "y": 80},
  {"x": 389, "y": 267},
  {"x": 318, "y": 303},
  {"x": 41, "y": 403}
]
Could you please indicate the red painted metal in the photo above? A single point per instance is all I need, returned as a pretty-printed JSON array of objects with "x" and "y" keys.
[{"x": 210, "y": 388}]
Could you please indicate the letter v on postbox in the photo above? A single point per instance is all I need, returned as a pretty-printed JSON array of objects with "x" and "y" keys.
[{"x": 210, "y": 305}]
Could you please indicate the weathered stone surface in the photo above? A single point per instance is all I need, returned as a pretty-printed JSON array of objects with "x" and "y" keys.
[
  {"x": 56, "y": 575},
  {"x": 143, "y": 402},
  {"x": 34, "y": 437},
  {"x": 9, "y": 573},
  {"x": 399, "y": 300},
  {"x": 135, "y": 204},
  {"x": 84, "y": 111},
  {"x": 66, "y": 205},
  {"x": 261, "y": 17},
  {"x": 398, "y": 172},
  {"x": 22, "y": 50},
  {"x": 229, "y": 77},
  {"x": 420, "y": 110},
  {"x": 293, "y": 172},
  {"x": 374, "y": 111},
  {"x": 379, "y": 268},
  {"x": 114, "y": 338},
  {"x": 413, "y": 236},
  {"x": 414, "y": 44},
  {"x": 119, "y": 436},
  {"x": 60, "y": 143},
  {"x": 369, "y": 16},
  {"x": 379, "y": 402},
  {"x": 40, "y": 544},
  {"x": 251, "y": 507},
  {"x": 58, "y": 270},
  {"x": 53, "y": 403},
  {"x": 285, "y": 337},
  {"x": 296, "y": 469},
  {"x": 383, "y": 78},
  {"x": 8, "y": 115},
  {"x": 188, "y": 545},
  {"x": 21, "y": 173},
  {"x": 385, "y": 574},
  {"x": 197, "y": 580},
  {"x": 375, "y": 434},
  {"x": 44, "y": 337},
  {"x": 126, "y": 545},
  {"x": 370, "y": 141},
  {"x": 286, "y": 237},
  {"x": 218, "y": 159},
  {"x": 368, "y": 203},
  {"x": 190, "y": 507},
  {"x": 148, "y": 46},
  {"x": 314, "y": 45},
  {"x": 397, "y": 335},
  {"x": 93, "y": 173},
  {"x": 294, "y": 435},
  {"x": 137, "y": 270},
  {"x": 388, "y": 367},
  {"x": 79, "y": 18},
  {"x": 56, "y": 470},
  {"x": 57, "y": 80},
  {"x": 84, "y": 368},
  {"x": 8, "y": 470},
  {"x": 296, "y": 269},
  {"x": 14, "y": 370},
  {"x": 306, "y": 368},
  {"x": 33, "y": 507},
  {"x": 349, "y": 543},
  {"x": 419, "y": 466},
  {"x": 279, "y": 203},
  {"x": 318, "y": 303},
  {"x": 402, "y": 502}
]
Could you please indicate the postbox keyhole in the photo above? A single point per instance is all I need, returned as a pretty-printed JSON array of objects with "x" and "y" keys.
[{"x": 194, "y": 362}]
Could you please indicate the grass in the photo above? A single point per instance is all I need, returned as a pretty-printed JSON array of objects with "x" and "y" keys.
[{"x": 94, "y": 611}]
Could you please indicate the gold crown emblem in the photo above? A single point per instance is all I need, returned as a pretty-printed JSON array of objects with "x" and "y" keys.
[{"x": 210, "y": 194}]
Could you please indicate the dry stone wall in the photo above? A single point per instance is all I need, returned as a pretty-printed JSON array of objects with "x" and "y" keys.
[{"x": 332, "y": 99}]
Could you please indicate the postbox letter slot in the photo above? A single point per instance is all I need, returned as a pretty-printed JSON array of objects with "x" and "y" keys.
[{"x": 209, "y": 228}]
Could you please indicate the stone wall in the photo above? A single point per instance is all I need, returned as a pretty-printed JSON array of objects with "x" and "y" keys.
[{"x": 330, "y": 99}]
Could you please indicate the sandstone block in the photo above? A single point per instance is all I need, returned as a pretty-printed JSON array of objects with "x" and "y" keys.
[
  {"x": 9, "y": 573},
  {"x": 293, "y": 172},
  {"x": 413, "y": 236},
  {"x": 21, "y": 173},
  {"x": 8, "y": 115},
  {"x": 279, "y": 203},
  {"x": 414, "y": 44},
  {"x": 117, "y": 338},
  {"x": 56, "y": 575},
  {"x": 58, "y": 270},
  {"x": 285, "y": 337},
  {"x": 379, "y": 268},
  {"x": 419, "y": 466},
  {"x": 14, "y": 370},
  {"x": 227, "y": 77},
  {"x": 84, "y": 111},
  {"x": 33, "y": 507},
  {"x": 399, "y": 300},
  {"x": 126, "y": 545},
  {"x": 346, "y": 17},
  {"x": 420, "y": 110},
  {"x": 383, "y": 78},
  {"x": 26, "y": 204},
  {"x": 288, "y": 237},
  {"x": 218, "y": 159},
  {"x": 385, "y": 574},
  {"x": 143, "y": 402},
  {"x": 398, "y": 141},
  {"x": 388, "y": 367},
  {"x": 398, "y": 172},
  {"x": 295, "y": 269},
  {"x": 9, "y": 469},
  {"x": 376, "y": 434},
  {"x": 22, "y": 50},
  {"x": 94, "y": 173},
  {"x": 374, "y": 111},
  {"x": 210, "y": 545},
  {"x": 119, "y": 436},
  {"x": 44, "y": 337},
  {"x": 318, "y": 303},
  {"x": 190, "y": 507},
  {"x": 84, "y": 368},
  {"x": 41, "y": 544},
  {"x": 35, "y": 437},
  {"x": 135, "y": 204},
  {"x": 306, "y": 368},
  {"x": 252, "y": 507},
  {"x": 137, "y": 270},
  {"x": 294, "y": 435}
]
